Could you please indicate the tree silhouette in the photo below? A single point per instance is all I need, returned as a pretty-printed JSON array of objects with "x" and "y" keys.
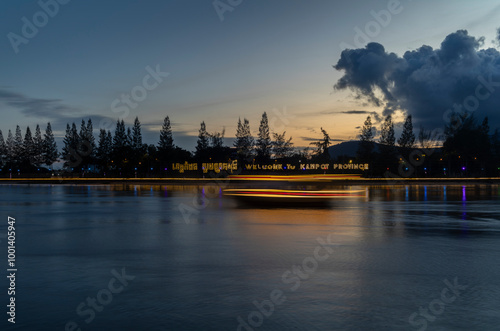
[
  {"x": 424, "y": 137},
  {"x": 322, "y": 146},
  {"x": 282, "y": 148},
  {"x": 120, "y": 146},
  {"x": 86, "y": 144},
  {"x": 217, "y": 139},
  {"x": 18, "y": 153},
  {"x": 3, "y": 150},
  {"x": 104, "y": 149},
  {"x": 264, "y": 144},
  {"x": 387, "y": 132},
  {"x": 137, "y": 136},
  {"x": 202, "y": 142},
  {"x": 9, "y": 144},
  {"x": 166, "y": 143},
  {"x": 38, "y": 146},
  {"x": 138, "y": 149},
  {"x": 244, "y": 141},
  {"x": 120, "y": 136},
  {"x": 130, "y": 140},
  {"x": 50, "y": 153},
  {"x": 495, "y": 142},
  {"x": 217, "y": 150},
  {"x": 69, "y": 151},
  {"x": 28, "y": 149},
  {"x": 407, "y": 139},
  {"x": 468, "y": 147},
  {"x": 387, "y": 141},
  {"x": 366, "y": 144}
]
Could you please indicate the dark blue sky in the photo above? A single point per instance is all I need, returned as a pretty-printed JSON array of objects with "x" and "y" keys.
[{"x": 273, "y": 56}]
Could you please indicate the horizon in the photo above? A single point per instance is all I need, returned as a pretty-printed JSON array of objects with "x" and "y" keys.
[{"x": 229, "y": 141}]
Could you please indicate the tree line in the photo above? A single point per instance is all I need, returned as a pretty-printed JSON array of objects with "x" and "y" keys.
[
  {"x": 468, "y": 148},
  {"x": 122, "y": 152},
  {"x": 31, "y": 151}
]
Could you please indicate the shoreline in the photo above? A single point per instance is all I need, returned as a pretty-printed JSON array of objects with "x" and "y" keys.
[{"x": 197, "y": 181}]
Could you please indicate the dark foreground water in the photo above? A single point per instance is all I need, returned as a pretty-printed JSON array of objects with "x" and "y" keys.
[{"x": 188, "y": 258}]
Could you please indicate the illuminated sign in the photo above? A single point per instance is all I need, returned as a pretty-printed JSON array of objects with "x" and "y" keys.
[
  {"x": 350, "y": 166},
  {"x": 273, "y": 166},
  {"x": 218, "y": 167},
  {"x": 233, "y": 166},
  {"x": 307, "y": 166},
  {"x": 181, "y": 167}
]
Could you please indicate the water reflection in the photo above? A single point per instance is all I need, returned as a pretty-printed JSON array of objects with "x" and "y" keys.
[{"x": 394, "y": 246}]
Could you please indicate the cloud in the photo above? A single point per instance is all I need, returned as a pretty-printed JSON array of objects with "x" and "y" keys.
[
  {"x": 98, "y": 122},
  {"x": 376, "y": 116},
  {"x": 36, "y": 107},
  {"x": 425, "y": 82},
  {"x": 59, "y": 114},
  {"x": 53, "y": 110},
  {"x": 309, "y": 139},
  {"x": 355, "y": 112}
]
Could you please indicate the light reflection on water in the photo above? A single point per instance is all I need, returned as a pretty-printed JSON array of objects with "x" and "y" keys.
[{"x": 394, "y": 247}]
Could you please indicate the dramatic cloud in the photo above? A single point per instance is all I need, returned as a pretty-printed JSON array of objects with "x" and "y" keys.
[{"x": 426, "y": 83}]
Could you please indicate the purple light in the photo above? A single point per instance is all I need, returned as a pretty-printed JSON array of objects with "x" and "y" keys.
[
  {"x": 463, "y": 168},
  {"x": 165, "y": 169}
]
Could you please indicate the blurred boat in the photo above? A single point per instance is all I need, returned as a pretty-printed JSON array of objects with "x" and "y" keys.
[{"x": 279, "y": 197}]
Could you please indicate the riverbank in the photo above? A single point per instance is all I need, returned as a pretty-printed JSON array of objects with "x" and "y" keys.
[{"x": 262, "y": 179}]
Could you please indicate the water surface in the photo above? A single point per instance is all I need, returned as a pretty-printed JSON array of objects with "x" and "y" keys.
[{"x": 200, "y": 260}]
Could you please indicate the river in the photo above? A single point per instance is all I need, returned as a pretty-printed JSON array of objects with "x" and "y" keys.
[{"x": 186, "y": 257}]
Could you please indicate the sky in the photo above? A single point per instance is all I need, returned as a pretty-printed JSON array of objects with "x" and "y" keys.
[{"x": 216, "y": 61}]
